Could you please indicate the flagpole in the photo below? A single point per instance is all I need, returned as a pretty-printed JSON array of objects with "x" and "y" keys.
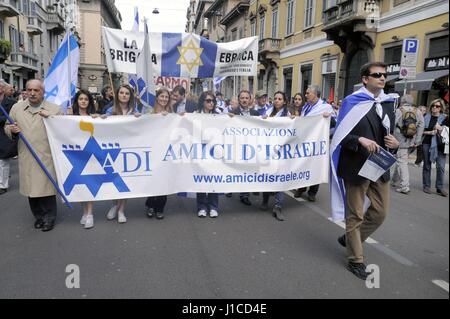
[
  {"x": 112, "y": 85},
  {"x": 36, "y": 157},
  {"x": 69, "y": 75}
]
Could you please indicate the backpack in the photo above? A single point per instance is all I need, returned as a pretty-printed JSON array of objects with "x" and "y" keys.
[{"x": 409, "y": 122}]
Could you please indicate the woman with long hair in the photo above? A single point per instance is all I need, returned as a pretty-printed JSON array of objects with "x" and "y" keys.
[
  {"x": 83, "y": 105},
  {"x": 433, "y": 151},
  {"x": 155, "y": 204},
  {"x": 280, "y": 109},
  {"x": 297, "y": 103},
  {"x": 207, "y": 202}
]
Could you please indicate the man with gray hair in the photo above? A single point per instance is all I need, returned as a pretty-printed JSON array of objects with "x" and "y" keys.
[
  {"x": 409, "y": 126},
  {"x": 314, "y": 106},
  {"x": 33, "y": 183}
]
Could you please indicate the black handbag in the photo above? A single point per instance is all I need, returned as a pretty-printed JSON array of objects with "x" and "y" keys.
[{"x": 9, "y": 148}]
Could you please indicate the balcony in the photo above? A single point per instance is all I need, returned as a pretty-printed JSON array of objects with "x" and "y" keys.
[
  {"x": 269, "y": 48},
  {"x": 9, "y": 8},
  {"x": 34, "y": 26},
  {"x": 350, "y": 16},
  {"x": 55, "y": 23},
  {"x": 24, "y": 60}
]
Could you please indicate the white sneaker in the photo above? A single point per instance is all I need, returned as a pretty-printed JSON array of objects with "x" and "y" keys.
[
  {"x": 213, "y": 213},
  {"x": 112, "y": 213},
  {"x": 122, "y": 219},
  {"x": 83, "y": 220},
  {"x": 202, "y": 213},
  {"x": 89, "y": 221},
  {"x": 403, "y": 190}
]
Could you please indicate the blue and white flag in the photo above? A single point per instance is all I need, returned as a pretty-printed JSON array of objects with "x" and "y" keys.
[
  {"x": 132, "y": 78},
  {"x": 354, "y": 108},
  {"x": 57, "y": 80},
  {"x": 145, "y": 83},
  {"x": 181, "y": 54}
]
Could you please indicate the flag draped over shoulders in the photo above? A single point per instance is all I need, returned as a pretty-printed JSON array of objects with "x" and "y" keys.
[{"x": 353, "y": 109}]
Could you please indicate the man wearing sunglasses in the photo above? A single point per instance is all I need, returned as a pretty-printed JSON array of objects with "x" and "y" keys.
[{"x": 365, "y": 124}]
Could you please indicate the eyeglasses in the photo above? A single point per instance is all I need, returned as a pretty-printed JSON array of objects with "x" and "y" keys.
[
  {"x": 378, "y": 75},
  {"x": 209, "y": 100},
  {"x": 436, "y": 105}
]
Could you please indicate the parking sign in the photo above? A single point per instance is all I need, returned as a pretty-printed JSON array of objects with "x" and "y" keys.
[{"x": 408, "y": 62}]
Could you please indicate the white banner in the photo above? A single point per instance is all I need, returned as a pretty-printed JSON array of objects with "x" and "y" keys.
[
  {"x": 181, "y": 54},
  {"x": 127, "y": 157}
]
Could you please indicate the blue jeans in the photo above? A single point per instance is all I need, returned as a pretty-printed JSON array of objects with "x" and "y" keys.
[
  {"x": 207, "y": 201},
  {"x": 440, "y": 168},
  {"x": 279, "y": 198}
]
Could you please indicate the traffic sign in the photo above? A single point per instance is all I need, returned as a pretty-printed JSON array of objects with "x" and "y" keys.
[{"x": 408, "y": 62}]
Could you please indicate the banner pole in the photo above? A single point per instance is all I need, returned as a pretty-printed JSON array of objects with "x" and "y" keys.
[
  {"x": 36, "y": 157},
  {"x": 69, "y": 75},
  {"x": 112, "y": 85}
]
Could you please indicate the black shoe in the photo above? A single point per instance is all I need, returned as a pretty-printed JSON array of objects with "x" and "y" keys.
[
  {"x": 246, "y": 201},
  {"x": 38, "y": 224},
  {"x": 311, "y": 197},
  {"x": 47, "y": 227},
  {"x": 229, "y": 194},
  {"x": 298, "y": 193},
  {"x": 159, "y": 215},
  {"x": 150, "y": 212},
  {"x": 342, "y": 241},
  {"x": 3, "y": 190},
  {"x": 358, "y": 269},
  {"x": 442, "y": 192},
  {"x": 277, "y": 213},
  {"x": 427, "y": 190}
]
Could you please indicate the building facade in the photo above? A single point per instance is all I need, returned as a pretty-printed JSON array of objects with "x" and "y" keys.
[
  {"x": 325, "y": 42},
  {"x": 34, "y": 28},
  {"x": 93, "y": 14}
]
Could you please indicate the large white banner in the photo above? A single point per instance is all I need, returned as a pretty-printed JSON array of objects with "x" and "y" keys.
[
  {"x": 127, "y": 157},
  {"x": 181, "y": 54}
]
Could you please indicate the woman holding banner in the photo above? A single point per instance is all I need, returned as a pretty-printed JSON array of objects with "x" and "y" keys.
[
  {"x": 84, "y": 105},
  {"x": 124, "y": 104},
  {"x": 155, "y": 204},
  {"x": 207, "y": 201},
  {"x": 280, "y": 109}
]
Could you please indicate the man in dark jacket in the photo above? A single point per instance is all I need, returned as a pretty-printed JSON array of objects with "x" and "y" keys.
[
  {"x": 5, "y": 142},
  {"x": 371, "y": 113}
]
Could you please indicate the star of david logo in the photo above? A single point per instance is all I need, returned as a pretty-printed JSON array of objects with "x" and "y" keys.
[
  {"x": 52, "y": 92},
  {"x": 79, "y": 159},
  {"x": 186, "y": 55}
]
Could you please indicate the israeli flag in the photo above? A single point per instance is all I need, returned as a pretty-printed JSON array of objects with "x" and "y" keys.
[
  {"x": 57, "y": 80},
  {"x": 132, "y": 78},
  {"x": 354, "y": 108},
  {"x": 145, "y": 84}
]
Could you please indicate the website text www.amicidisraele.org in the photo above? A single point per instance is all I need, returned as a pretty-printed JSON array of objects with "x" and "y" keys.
[{"x": 252, "y": 178}]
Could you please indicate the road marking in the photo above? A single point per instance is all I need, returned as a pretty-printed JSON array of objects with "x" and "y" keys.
[
  {"x": 289, "y": 193},
  {"x": 397, "y": 257},
  {"x": 441, "y": 283}
]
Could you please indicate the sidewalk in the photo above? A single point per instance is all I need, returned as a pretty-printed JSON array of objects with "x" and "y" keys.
[{"x": 412, "y": 160}]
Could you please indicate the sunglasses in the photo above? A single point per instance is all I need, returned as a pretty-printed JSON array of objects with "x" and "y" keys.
[
  {"x": 436, "y": 105},
  {"x": 378, "y": 75},
  {"x": 209, "y": 100}
]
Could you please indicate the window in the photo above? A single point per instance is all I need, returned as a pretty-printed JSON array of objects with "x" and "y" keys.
[
  {"x": 253, "y": 28},
  {"x": 2, "y": 29},
  {"x": 14, "y": 38},
  {"x": 234, "y": 35},
  {"x": 241, "y": 33},
  {"x": 262, "y": 22},
  {"x": 290, "y": 17},
  {"x": 306, "y": 73},
  {"x": 328, "y": 4},
  {"x": 309, "y": 13},
  {"x": 438, "y": 47},
  {"x": 393, "y": 55},
  {"x": 328, "y": 82},
  {"x": 26, "y": 10},
  {"x": 275, "y": 23},
  {"x": 287, "y": 75}
]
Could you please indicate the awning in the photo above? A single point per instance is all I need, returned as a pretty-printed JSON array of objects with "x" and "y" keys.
[
  {"x": 422, "y": 82},
  {"x": 389, "y": 78}
]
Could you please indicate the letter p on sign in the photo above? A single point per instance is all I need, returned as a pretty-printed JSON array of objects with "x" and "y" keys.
[{"x": 411, "y": 46}]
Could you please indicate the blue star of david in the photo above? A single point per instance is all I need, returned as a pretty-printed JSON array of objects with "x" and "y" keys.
[
  {"x": 53, "y": 92},
  {"x": 80, "y": 158}
]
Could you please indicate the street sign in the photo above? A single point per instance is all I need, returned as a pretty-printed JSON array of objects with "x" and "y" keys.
[{"x": 408, "y": 62}]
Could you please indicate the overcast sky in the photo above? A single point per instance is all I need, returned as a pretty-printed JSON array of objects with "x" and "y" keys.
[{"x": 171, "y": 17}]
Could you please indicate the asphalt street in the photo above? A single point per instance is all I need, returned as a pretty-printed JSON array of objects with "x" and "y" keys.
[{"x": 244, "y": 253}]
